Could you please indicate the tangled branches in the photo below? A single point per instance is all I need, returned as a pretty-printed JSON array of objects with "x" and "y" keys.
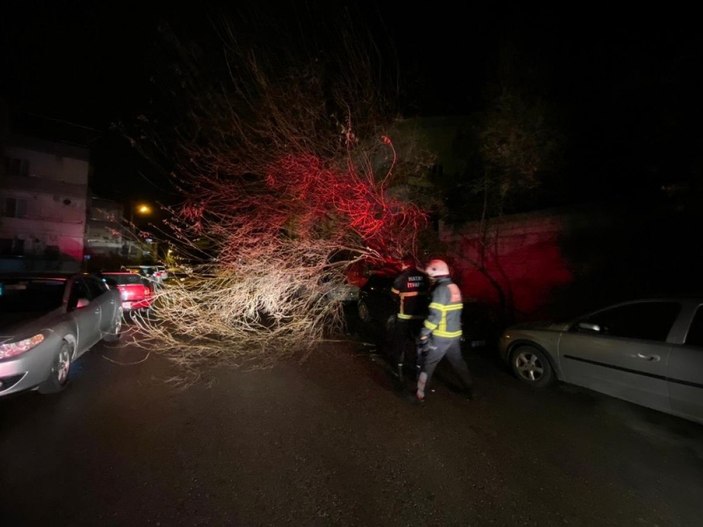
[
  {"x": 255, "y": 314},
  {"x": 283, "y": 244},
  {"x": 282, "y": 197}
]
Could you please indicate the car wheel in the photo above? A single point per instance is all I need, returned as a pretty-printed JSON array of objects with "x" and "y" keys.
[
  {"x": 364, "y": 311},
  {"x": 114, "y": 334},
  {"x": 532, "y": 367},
  {"x": 60, "y": 368}
]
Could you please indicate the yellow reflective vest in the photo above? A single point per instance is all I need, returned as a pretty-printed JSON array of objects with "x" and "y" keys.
[{"x": 444, "y": 318}]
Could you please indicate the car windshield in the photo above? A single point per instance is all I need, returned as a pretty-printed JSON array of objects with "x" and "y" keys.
[{"x": 26, "y": 295}]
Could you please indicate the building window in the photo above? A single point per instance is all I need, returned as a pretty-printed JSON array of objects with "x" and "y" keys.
[
  {"x": 11, "y": 247},
  {"x": 14, "y": 208},
  {"x": 52, "y": 251},
  {"x": 16, "y": 167}
]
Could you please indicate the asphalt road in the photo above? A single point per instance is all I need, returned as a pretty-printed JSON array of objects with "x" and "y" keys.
[{"x": 329, "y": 442}]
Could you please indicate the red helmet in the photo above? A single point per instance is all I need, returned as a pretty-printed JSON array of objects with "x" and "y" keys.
[{"x": 436, "y": 268}]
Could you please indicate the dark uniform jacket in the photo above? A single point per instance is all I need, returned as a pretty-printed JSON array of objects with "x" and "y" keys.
[
  {"x": 444, "y": 318},
  {"x": 411, "y": 287}
]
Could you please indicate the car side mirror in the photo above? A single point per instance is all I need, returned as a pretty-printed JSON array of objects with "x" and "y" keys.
[{"x": 82, "y": 302}]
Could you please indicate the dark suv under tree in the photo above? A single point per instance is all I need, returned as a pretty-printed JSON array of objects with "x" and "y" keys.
[{"x": 376, "y": 307}]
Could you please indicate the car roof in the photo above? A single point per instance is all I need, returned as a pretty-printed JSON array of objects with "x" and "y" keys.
[
  {"x": 38, "y": 276},
  {"x": 683, "y": 299},
  {"x": 663, "y": 298}
]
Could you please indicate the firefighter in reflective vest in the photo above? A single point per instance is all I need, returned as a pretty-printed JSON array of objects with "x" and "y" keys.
[
  {"x": 410, "y": 288},
  {"x": 440, "y": 335}
]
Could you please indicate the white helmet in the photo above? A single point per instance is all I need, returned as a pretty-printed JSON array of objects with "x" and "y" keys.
[{"x": 437, "y": 268}]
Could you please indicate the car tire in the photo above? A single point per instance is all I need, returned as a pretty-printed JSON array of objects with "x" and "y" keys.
[
  {"x": 364, "y": 311},
  {"x": 114, "y": 334},
  {"x": 60, "y": 369},
  {"x": 532, "y": 366}
]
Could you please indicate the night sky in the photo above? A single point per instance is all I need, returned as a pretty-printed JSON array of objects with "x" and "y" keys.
[{"x": 627, "y": 83}]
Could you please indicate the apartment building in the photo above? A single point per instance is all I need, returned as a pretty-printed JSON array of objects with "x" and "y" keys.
[{"x": 43, "y": 199}]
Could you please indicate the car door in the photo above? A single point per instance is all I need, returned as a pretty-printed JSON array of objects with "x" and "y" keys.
[
  {"x": 87, "y": 317},
  {"x": 100, "y": 296},
  {"x": 622, "y": 351},
  {"x": 686, "y": 372}
]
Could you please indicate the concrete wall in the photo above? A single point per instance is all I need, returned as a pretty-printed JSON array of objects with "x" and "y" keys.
[
  {"x": 561, "y": 263},
  {"x": 527, "y": 265},
  {"x": 52, "y": 165}
]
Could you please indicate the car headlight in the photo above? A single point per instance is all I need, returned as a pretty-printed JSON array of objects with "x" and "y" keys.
[{"x": 12, "y": 349}]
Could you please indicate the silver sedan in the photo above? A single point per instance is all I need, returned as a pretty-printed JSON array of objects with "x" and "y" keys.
[
  {"x": 47, "y": 322},
  {"x": 649, "y": 352}
]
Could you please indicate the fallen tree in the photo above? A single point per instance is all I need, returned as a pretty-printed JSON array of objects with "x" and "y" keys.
[{"x": 285, "y": 167}]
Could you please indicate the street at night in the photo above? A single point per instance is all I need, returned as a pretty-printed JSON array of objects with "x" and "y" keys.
[
  {"x": 225, "y": 226},
  {"x": 329, "y": 442}
]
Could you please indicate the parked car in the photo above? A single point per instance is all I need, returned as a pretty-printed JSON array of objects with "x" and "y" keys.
[
  {"x": 649, "y": 352},
  {"x": 136, "y": 291},
  {"x": 375, "y": 303},
  {"x": 159, "y": 273},
  {"x": 154, "y": 273},
  {"x": 179, "y": 274},
  {"x": 49, "y": 321}
]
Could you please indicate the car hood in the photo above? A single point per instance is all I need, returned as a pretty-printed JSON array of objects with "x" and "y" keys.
[{"x": 18, "y": 325}]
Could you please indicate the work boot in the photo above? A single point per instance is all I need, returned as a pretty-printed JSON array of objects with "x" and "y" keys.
[{"x": 468, "y": 393}]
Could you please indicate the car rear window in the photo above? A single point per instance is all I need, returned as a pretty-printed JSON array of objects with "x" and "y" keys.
[
  {"x": 125, "y": 279},
  {"x": 30, "y": 295}
]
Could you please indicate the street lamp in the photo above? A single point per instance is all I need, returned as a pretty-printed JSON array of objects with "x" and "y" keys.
[{"x": 142, "y": 209}]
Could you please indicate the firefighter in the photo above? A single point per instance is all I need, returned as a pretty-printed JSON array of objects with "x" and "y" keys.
[
  {"x": 440, "y": 335},
  {"x": 410, "y": 289}
]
